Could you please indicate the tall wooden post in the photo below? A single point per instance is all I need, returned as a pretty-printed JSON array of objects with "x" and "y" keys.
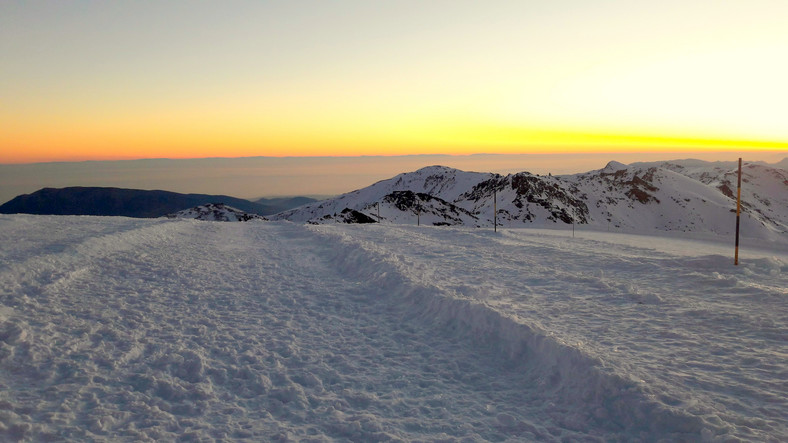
[
  {"x": 495, "y": 210},
  {"x": 738, "y": 216},
  {"x": 418, "y": 215}
]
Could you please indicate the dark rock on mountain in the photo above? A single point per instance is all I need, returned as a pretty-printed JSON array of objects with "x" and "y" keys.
[
  {"x": 636, "y": 188},
  {"x": 551, "y": 196},
  {"x": 353, "y": 216},
  {"x": 423, "y": 203},
  {"x": 348, "y": 215}
]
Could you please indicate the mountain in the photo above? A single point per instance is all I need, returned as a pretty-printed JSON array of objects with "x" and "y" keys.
[
  {"x": 764, "y": 187},
  {"x": 680, "y": 195},
  {"x": 117, "y": 202},
  {"x": 280, "y": 204},
  {"x": 430, "y": 190},
  {"x": 216, "y": 212}
]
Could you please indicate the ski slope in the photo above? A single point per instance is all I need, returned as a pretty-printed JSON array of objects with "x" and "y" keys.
[{"x": 149, "y": 330}]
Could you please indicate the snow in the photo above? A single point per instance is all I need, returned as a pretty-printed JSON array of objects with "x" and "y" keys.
[{"x": 125, "y": 329}]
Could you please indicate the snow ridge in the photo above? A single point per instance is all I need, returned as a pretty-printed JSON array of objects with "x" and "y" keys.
[{"x": 574, "y": 378}]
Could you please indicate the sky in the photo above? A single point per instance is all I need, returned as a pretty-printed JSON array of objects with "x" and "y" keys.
[{"x": 109, "y": 80}]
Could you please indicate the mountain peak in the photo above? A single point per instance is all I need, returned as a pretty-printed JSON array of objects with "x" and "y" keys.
[
  {"x": 614, "y": 166},
  {"x": 435, "y": 169}
]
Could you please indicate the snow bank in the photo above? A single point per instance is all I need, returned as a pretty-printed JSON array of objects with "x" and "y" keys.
[{"x": 590, "y": 395}]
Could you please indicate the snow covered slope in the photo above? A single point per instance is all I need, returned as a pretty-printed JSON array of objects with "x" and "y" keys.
[
  {"x": 425, "y": 194},
  {"x": 680, "y": 196},
  {"x": 764, "y": 187},
  {"x": 118, "y": 329},
  {"x": 215, "y": 212}
]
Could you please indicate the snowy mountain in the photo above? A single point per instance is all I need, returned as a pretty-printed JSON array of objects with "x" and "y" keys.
[
  {"x": 216, "y": 212},
  {"x": 764, "y": 187},
  {"x": 425, "y": 194},
  {"x": 682, "y": 195}
]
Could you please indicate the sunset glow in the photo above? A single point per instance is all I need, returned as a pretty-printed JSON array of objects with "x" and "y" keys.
[{"x": 119, "y": 80}]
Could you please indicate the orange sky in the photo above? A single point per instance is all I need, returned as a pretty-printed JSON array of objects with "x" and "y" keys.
[{"x": 117, "y": 80}]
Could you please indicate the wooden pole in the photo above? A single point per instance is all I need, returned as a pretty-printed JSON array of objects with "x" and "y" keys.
[
  {"x": 495, "y": 210},
  {"x": 738, "y": 216}
]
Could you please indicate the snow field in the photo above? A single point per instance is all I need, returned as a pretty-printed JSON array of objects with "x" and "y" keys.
[
  {"x": 144, "y": 330},
  {"x": 194, "y": 331},
  {"x": 701, "y": 338}
]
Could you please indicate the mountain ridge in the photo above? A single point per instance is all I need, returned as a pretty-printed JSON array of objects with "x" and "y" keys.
[
  {"x": 677, "y": 195},
  {"x": 110, "y": 201}
]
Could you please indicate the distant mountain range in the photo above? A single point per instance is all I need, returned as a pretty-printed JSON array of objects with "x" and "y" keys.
[
  {"x": 678, "y": 195},
  {"x": 279, "y": 204},
  {"x": 132, "y": 202},
  {"x": 683, "y": 195}
]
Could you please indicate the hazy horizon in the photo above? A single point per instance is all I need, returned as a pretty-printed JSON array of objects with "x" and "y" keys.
[{"x": 256, "y": 177}]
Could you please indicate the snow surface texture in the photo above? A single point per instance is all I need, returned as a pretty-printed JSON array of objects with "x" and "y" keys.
[
  {"x": 150, "y": 330},
  {"x": 215, "y": 212},
  {"x": 677, "y": 196}
]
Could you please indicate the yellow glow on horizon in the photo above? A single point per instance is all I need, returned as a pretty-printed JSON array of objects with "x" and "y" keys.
[{"x": 205, "y": 137}]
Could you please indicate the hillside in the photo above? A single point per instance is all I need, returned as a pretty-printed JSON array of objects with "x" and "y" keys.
[
  {"x": 682, "y": 195},
  {"x": 117, "y": 202}
]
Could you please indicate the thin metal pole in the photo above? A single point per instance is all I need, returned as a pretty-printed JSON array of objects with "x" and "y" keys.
[
  {"x": 495, "y": 209},
  {"x": 738, "y": 216},
  {"x": 573, "y": 222}
]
